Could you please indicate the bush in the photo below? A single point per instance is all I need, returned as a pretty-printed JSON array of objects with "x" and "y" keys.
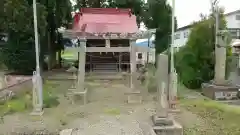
[
  {"x": 49, "y": 100},
  {"x": 49, "y": 97},
  {"x": 23, "y": 101},
  {"x": 15, "y": 106},
  {"x": 195, "y": 62}
]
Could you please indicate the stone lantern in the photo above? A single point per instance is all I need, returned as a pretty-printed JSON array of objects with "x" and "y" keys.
[
  {"x": 73, "y": 70},
  {"x": 236, "y": 47}
]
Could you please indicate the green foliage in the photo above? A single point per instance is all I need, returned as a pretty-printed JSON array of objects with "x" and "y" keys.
[
  {"x": 18, "y": 54},
  {"x": 49, "y": 99},
  {"x": 23, "y": 101},
  {"x": 16, "y": 18},
  {"x": 15, "y": 106},
  {"x": 195, "y": 61}
]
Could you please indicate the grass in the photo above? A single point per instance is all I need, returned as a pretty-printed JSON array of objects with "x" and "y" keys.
[
  {"x": 23, "y": 101},
  {"x": 221, "y": 119},
  {"x": 70, "y": 55},
  {"x": 112, "y": 111}
]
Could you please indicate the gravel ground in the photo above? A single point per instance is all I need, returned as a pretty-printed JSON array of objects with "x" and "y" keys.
[{"x": 107, "y": 113}]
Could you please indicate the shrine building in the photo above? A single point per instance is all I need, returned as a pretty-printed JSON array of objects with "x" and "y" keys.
[{"x": 107, "y": 39}]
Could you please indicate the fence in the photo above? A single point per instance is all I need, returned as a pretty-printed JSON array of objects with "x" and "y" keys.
[{"x": 15, "y": 87}]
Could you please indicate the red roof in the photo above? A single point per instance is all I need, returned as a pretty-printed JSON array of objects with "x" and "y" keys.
[{"x": 105, "y": 20}]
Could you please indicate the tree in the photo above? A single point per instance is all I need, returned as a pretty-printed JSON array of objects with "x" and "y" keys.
[
  {"x": 157, "y": 14},
  {"x": 17, "y": 21},
  {"x": 18, "y": 55},
  {"x": 59, "y": 15},
  {"x": 195, "y": 61}
]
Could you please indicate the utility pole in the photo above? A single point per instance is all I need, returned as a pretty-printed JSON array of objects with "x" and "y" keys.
[
  {"x": 38, "y": 108},
  {"x": 172, "y": 37},
  {"x": 218, "y": 51},
  {"x": 173, "y": 75}
]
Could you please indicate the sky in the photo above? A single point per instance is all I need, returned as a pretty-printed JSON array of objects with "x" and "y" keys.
[{"x": 188, "y": 11}]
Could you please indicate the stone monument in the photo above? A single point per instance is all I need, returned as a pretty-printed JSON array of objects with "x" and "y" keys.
[
  {"x": 220, "y": 88},
  {"x": 163, "y": 123}
]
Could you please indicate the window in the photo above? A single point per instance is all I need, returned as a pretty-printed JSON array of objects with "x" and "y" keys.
[
  {"x": 238, "y": 17},
  {"x": 139, "y": 55},
  {"x": 185, "y": 34},
  {"x": 233, "y": 34},
  {"x": 177, "y": 36}
]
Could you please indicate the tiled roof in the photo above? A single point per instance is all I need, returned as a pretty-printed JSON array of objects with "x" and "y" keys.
[{"x": 105, "y": 20}]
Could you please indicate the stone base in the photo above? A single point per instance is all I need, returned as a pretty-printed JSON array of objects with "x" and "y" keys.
[
  {"x": 161, "y": 121},
  {"x": 174, "y": 110},
  {"x": 134, "y": 97},
  {"x": 37, "y": 113},
  {"x": 73, "y": 92},
  {"x": 147, "y": 129},
  {"x": 173, "y": 129},
  {"x": 220, "y": 92}
]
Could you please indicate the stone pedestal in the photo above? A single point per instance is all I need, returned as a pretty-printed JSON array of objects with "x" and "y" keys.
[
  {"x": 173, "y": 129},
  {"x": 161, "y": 121},
  {"x": 220, "y": 92},
  {"x": 134, "y": 97},
  {"x": 220, "y": 89}
]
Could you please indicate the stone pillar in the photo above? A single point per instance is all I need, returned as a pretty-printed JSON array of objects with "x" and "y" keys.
[
  {"x": 132, "y": 61},
  {"x": 81, "y": 65},
  {"x": 162, "y": 79},
  {"x": 220, "y": 61},
  {"x": 163, "y": 124}
]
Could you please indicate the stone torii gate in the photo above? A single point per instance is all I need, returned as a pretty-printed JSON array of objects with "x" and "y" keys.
[{"x": 82, "y": 49}]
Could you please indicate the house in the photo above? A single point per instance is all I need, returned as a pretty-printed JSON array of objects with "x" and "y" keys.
[
  {"x": 146, "y": 57},
  {"x": 233, "y": 25}
]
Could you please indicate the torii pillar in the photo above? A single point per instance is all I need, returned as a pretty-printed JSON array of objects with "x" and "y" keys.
[
  {"x": 81, "y": 70},
  {"x": 132, "y": 62},
  {"x": 134, "y": 95}
]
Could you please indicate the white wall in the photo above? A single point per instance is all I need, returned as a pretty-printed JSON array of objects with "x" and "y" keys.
[
  {"x": 231, "y": 20},
  {"x": 181, "y": 38}
]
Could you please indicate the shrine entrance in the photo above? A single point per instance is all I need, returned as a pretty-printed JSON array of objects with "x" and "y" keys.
[
  {"x": 107, "y": 62},
  {"x": 101, "y": 59}
]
